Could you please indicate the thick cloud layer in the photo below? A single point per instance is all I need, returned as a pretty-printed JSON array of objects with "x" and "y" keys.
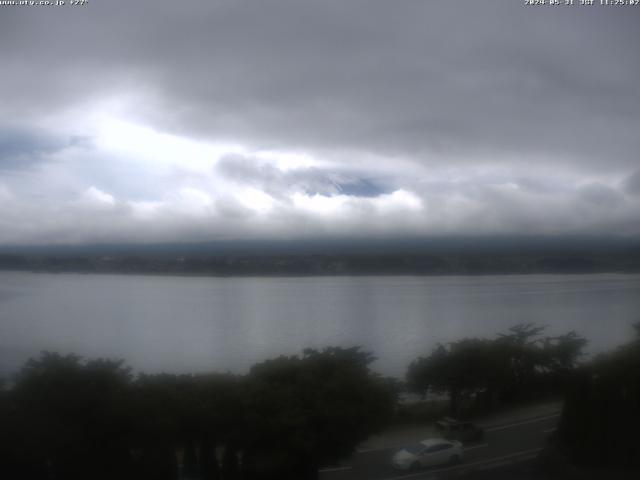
[{"x": 156, "y": 121}]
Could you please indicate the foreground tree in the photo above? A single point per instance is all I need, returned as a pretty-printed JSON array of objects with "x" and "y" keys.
[
  {"x": 71, "y": 418},
  {"x": 460, "y": 370},
  {"x": 601, "y": 416},
  {"x": 517, "y": 364},
  {"x": 218, "y": 423},
  {"x": 66, "y": 418},
  {"x": 309, "y": 410},
  {"x": 162, "y": 406}
]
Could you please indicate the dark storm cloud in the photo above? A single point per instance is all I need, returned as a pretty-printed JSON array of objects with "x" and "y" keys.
[
  {"x": 417, "y": 78},
  {"x": 601, "y": 195},
  {"x": 416, "y": 118},
  {"x": 632, "y": 184}
]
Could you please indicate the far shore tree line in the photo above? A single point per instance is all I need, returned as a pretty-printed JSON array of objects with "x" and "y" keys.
[
  {"x": 498, "y": 260},
  {"x": 63, "y": 417}
]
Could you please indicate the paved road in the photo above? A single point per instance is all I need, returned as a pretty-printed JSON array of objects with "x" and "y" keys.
[{"x": 515, "y": 441}]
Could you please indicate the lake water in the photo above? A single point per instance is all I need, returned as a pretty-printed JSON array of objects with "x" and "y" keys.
[{"x": 198, "y": 324}]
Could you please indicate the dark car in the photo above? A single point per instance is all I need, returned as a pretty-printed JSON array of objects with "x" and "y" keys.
[{"x": 453, "y": 429}]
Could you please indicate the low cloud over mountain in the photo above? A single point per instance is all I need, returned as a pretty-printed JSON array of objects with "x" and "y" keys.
[{"x": 206, "y": 120}]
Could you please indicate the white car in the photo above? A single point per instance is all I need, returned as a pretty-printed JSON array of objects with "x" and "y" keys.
[{"x": 435, "y": 451}]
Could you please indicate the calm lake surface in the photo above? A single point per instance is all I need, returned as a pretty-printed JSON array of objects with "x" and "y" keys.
[{"x": 197, "y": 324}]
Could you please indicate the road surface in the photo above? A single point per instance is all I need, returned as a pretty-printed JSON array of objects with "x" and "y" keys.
[{"x": 518, "y": 440}]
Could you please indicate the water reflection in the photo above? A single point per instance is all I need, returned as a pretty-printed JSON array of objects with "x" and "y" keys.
[{"x": 199, "y": 323}]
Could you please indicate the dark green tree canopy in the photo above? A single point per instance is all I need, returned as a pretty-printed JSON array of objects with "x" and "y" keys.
[
  {"x": 513, "y": 363},
  {"x": 317, "y": 406},
  {"x": 601, "y": 416}
]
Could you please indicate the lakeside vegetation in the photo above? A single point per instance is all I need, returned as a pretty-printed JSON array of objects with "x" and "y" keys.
[
  {"x": 476, "y": 374},
  {"x": 67, "y": 418},
  {"x": 600, "y": 424}
]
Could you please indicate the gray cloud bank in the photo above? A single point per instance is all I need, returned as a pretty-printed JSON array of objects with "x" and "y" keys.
[{"x": 165, "y": 121}]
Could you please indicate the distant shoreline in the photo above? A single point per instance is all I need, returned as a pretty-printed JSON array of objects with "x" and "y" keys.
[
  {"x": 327, "y": 275},
  {"x": 349, "y": 265}
]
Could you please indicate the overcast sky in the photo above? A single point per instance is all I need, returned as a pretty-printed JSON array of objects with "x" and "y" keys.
[{"x": 154, "y": 121}]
